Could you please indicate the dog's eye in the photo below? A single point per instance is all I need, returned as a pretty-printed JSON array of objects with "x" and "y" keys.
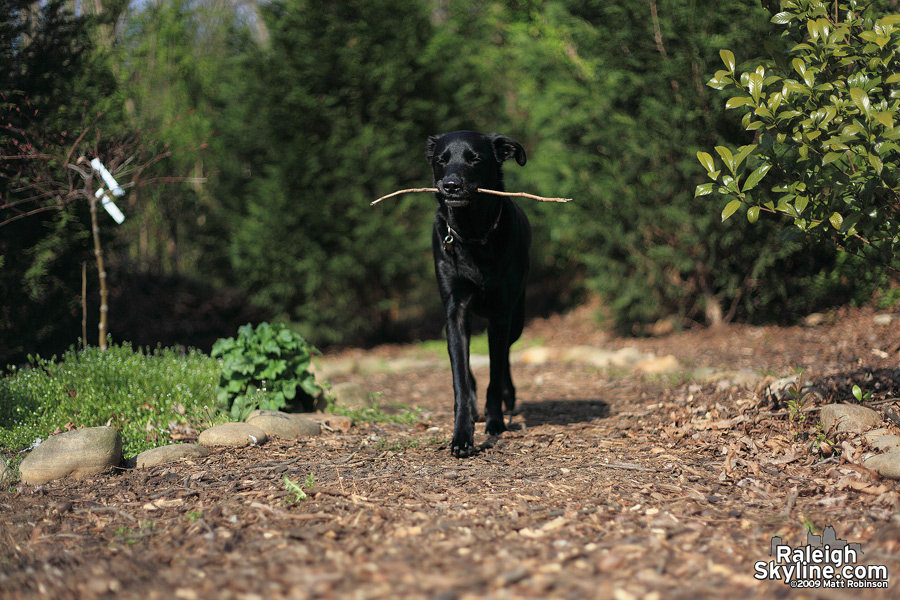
[{"x": 442, "y": 160}]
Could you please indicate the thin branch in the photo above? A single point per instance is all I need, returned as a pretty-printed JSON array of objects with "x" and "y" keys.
[
  {"x": 397, "y": 193},
  {"x": 28, "y": 214},
  {"x": 79, "y": 138},
  {"x": 481, "y": 190},
  {"x": 28, "y": 157},
  {"x": 524, "y": 195}
]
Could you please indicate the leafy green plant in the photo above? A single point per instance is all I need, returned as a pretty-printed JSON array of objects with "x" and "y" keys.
[
  {"x": 131, "y": 535},
  {"x": 266, "y": 367},
  {"x": 142, "y": 393},
  {"x": 820, "y": 443},
  {"x": 296, "y": 489},
  {"x": 858, "y": 394},
  {"x": 808, "y": 524},
  {"x": 824, "y": 112},
  {"x": 797, "y": 400}
]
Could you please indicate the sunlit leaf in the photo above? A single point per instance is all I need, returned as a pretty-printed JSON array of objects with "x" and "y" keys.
[
  {"x": 703, "y": 189},
  {"x": 726, "y": 155},
  {"x": 782, "y": 18},
  {"x": 836, "y": 220},
  {"x": 831, "y": 157},
  {"x": 754, "y": 85},
  {"x": 706, "y": 160},
  {"x": 727, "y": 58},
  {"x": 885, "y": 118},
  {"x": 876, "y": 162},
  {"x": 861, "y": 100},
  {"x": 753, "y": 214},
  {"x": 755, "y": 177},
  {"x": 730, "y": 209},
  {"x": 743, "y": 153},
  {"x": 738, "y": 101}
]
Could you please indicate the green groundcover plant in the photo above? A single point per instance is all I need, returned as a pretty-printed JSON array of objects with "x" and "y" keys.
[
  {"x": 266, "y": 367},
  {"x": 145, "y": 394},
  {"x": 824, "y": 112}
]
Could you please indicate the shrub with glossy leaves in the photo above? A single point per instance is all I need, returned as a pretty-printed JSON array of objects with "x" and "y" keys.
[
  {"x": 266, "y": 367},
  {"x": 825, "y": 113}
]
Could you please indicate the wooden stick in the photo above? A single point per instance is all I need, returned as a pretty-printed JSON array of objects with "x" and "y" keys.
[
  {"x": 397, "y": 193},
  {"x": 482, "y": 190},
  {"x": 524, "y": 195}
]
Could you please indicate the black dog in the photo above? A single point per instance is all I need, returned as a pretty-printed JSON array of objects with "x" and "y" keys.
[{"x": 480, "y": 244}]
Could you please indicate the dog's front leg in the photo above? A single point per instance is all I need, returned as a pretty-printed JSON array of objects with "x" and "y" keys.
[{"x": 458, "y": 329}]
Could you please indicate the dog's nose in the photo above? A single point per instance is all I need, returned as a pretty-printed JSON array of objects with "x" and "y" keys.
[{"x": 451, "y": 185}]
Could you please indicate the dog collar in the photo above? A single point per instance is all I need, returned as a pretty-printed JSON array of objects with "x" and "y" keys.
[{"x": 453, "y": 236}]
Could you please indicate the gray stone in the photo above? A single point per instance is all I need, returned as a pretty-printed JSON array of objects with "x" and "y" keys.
[
  {"x": 4, "y": 471},
  {"x": 588, "y": 355},
  {"x": 871, "y": 435},
  {"x": 351, "y": 395},
  {"x": 479, "y": 361},
  {"x": 628, "y": 357},
  {"x": 747, "y": 378},
  {"x": 325, "y": 370},
  {"x": 848, "y": 418},
  {"x": 536, "y": 355},
  {"x": 780, "y": 390},
  {"x": 814, "y": 319},
  {"x": 659, "y": 365},
  {"x": 397, "y": 365},
  {"x": 284, "y": 425},
  {"x": 709, "y": 374},
  {"x": 883, "y": 319},
  {"x": 337, "y": 422},
  {"x": 74, "y": 453},
  {"x": 886, "y": 442},
  {"x": 886, "y": 465},
  {"x": 167, "y": 454},
  {"x": 236, "y": 435}
]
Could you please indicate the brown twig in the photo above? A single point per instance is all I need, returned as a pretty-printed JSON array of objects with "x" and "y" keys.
[
  {"x": 524, "y": 195},
  {"x": 482, "y": 190},
  {"x": 397, "y": 193}
]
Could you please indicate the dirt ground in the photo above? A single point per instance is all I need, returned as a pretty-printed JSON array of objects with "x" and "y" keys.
[{"x": 610, "y": 485}]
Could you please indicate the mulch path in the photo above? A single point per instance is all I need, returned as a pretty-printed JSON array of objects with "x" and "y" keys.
[{"x": 609, "y": 485}]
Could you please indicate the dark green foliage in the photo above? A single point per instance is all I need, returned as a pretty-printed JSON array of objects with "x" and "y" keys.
[
  {"x": 267, "y": 368},
  {"x": 339, "y": 116},
  {"x": 51, "y": 85}
]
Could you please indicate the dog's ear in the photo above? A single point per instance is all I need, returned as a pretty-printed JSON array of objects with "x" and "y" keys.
[
  {"x": 429, "y": 147},
  {"x": 506, "y": 148}
]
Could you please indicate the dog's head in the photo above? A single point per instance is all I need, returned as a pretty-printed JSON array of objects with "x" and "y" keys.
[{"x": 464, "y": 161}]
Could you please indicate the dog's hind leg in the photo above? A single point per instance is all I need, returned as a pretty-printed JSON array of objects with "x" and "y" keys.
[
  {"x": 517, "y": 324},
  {"x": 500, "y": 390}
]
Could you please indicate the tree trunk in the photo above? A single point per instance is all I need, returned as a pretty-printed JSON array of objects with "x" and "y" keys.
[{"x": 104, "y": 293}]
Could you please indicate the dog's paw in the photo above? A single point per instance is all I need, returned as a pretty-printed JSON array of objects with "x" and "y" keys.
[
  {"x": 463, "y": 446},
  {"x": 495, "y": 427}
]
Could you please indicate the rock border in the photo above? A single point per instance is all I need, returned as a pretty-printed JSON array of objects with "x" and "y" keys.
[{"x": 90, "y": 450}]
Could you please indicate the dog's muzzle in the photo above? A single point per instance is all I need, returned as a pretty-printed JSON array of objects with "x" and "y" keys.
[{"x": 454, "y": 192}]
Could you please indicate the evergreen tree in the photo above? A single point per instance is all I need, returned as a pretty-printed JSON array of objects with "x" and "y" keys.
[{"x": 338, "y": 116}]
